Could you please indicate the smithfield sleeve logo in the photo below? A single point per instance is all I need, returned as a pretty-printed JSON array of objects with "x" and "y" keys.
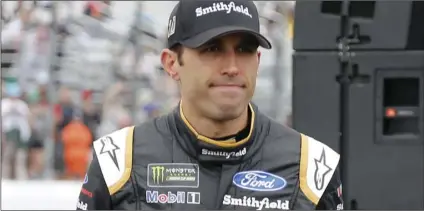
[{"x": 259, "y": 181}]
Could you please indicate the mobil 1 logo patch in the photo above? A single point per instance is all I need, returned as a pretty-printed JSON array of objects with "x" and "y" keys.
[
  {"x": 168, "y": 175},
  {"x": 179, "y": 197}
]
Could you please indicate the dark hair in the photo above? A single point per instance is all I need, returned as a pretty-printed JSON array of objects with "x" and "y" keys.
[{"x": 178, "y": 49}]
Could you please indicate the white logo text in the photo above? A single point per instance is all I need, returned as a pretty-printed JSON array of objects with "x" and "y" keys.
[
  {"x": 82, "y": 205},
  {"x": 227, "y": 155},
  {"x": 179, "y": 197},
  {"x": 171, "y": 26},
  {"x": 221, "y": 6},
  {"x": 264, "y": 203},
  {"x": 251, "y": 179}
]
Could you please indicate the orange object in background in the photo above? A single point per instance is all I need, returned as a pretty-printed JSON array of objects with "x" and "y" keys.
[{"x": 77, "y": 140}]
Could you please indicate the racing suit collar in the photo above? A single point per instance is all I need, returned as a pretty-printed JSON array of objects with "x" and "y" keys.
[{"x": 206, "y": 149}]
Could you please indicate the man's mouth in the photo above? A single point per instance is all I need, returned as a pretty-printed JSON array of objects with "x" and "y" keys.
[{"x": 227, "y": 85}]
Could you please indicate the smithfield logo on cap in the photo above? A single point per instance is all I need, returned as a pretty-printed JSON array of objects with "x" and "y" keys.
[
  {"x": 222, "y": 6},
  {"x": 259, "y": 181}
]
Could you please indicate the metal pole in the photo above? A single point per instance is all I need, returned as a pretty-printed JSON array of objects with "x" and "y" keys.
[
  {"x": 274, "y": 28},
  {"x": 344, "y": 80},
  {"x": 137, "y": 34},
  {"x": 52, "y": 61},
  {"x": 277, "y": 77}
]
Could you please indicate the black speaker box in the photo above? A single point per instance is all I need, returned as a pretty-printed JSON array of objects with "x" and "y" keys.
[
  {"x": 384, "y": 148},
  {"x": 374, "y": 25}
]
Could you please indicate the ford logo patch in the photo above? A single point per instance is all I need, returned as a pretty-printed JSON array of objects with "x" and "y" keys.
[{"x": 259, "y": 181}]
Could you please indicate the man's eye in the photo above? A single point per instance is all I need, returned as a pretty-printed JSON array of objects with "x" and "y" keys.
[{"x": 211, "y": 49}]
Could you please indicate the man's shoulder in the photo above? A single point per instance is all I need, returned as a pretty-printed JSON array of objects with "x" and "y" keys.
[
  {"x": 114, "y": 154},
  {"x": 318, "y": 164},
  {"x": 277, "y": 129},
  {"x": 156, "y": 126}
]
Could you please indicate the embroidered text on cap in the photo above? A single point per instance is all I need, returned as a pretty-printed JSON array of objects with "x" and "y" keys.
[
  {"x": 171, "y": 26},
  {"x": 221, "y": 6}
]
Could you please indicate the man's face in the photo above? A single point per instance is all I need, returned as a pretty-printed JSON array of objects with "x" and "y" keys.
[{"x": 217, "y": 79}]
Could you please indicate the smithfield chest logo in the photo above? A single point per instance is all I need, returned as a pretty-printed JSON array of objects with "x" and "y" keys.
[
  {"x": 226, "y": 155},
  {"x": 259, "y": 181}
]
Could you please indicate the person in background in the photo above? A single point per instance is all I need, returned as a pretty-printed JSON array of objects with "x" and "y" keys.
[
  {"x": 97, "y": 9},
  {"x": 124, "y": 120},
  {"x": 3, "y": 136},
  {"x": 152, "y": 110},
  {"x": 77, "y": 140},
  {"x": 40, "y": 131},
  {"x": 63, "y": 115},
  {"x": 114, "y": 114},
  {"x": 12, "y": 31},
  {"x": 16, "y": 128},
  {"x": 91, "y": 116}
]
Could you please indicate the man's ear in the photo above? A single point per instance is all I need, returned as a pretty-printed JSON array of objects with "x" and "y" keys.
[
  {"x": 259, "y": 57},
  {"x": 259, "y": 61},
  {"x": 169, "y": 62}
]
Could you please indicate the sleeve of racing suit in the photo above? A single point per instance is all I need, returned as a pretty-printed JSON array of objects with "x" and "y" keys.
[
  {"x": 332, "y": 197},
  {"x": 94, "y": 193}
]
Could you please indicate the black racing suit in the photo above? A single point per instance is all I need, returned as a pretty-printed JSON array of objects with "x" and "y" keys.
[{"x": 166, "y": 164}]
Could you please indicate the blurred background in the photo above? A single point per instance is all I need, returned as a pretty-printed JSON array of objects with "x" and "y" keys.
[
  {"x": 74, "y": 71},
  {"x": 348, "y": 73}
]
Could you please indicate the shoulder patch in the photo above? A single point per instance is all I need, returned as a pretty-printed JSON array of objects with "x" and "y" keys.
[
  {"x": 114, "y": 152},
  {"x": 318, "y": 162}
]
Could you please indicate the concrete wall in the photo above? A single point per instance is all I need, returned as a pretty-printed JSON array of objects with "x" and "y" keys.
[{"x": 39, "y": 195}]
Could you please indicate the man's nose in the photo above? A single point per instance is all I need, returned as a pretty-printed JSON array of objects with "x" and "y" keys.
[{"x": 230, "y": 66}]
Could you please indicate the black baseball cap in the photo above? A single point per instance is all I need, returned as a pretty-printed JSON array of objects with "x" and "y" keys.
[{"x": 193, "y": 23}]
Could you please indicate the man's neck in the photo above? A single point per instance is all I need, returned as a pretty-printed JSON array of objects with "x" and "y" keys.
[{"x": 213, "y": 129}]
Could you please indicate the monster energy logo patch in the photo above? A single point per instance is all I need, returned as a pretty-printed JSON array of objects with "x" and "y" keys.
[{"x": 173, "y": 175}]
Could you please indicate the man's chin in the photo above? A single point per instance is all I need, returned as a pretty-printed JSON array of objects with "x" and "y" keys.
[{"x": 225, "y": 111}]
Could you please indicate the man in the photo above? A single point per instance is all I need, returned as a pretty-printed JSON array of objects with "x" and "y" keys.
[
  {"x": 64, "y": 112},
  {"x": 39, "y": 107},
  {"x": 91, "y": 115},
  {"x": 215, "y": 150},
  {"x": 77, "y": 140},
  {"x": 16, "y": 126}
]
